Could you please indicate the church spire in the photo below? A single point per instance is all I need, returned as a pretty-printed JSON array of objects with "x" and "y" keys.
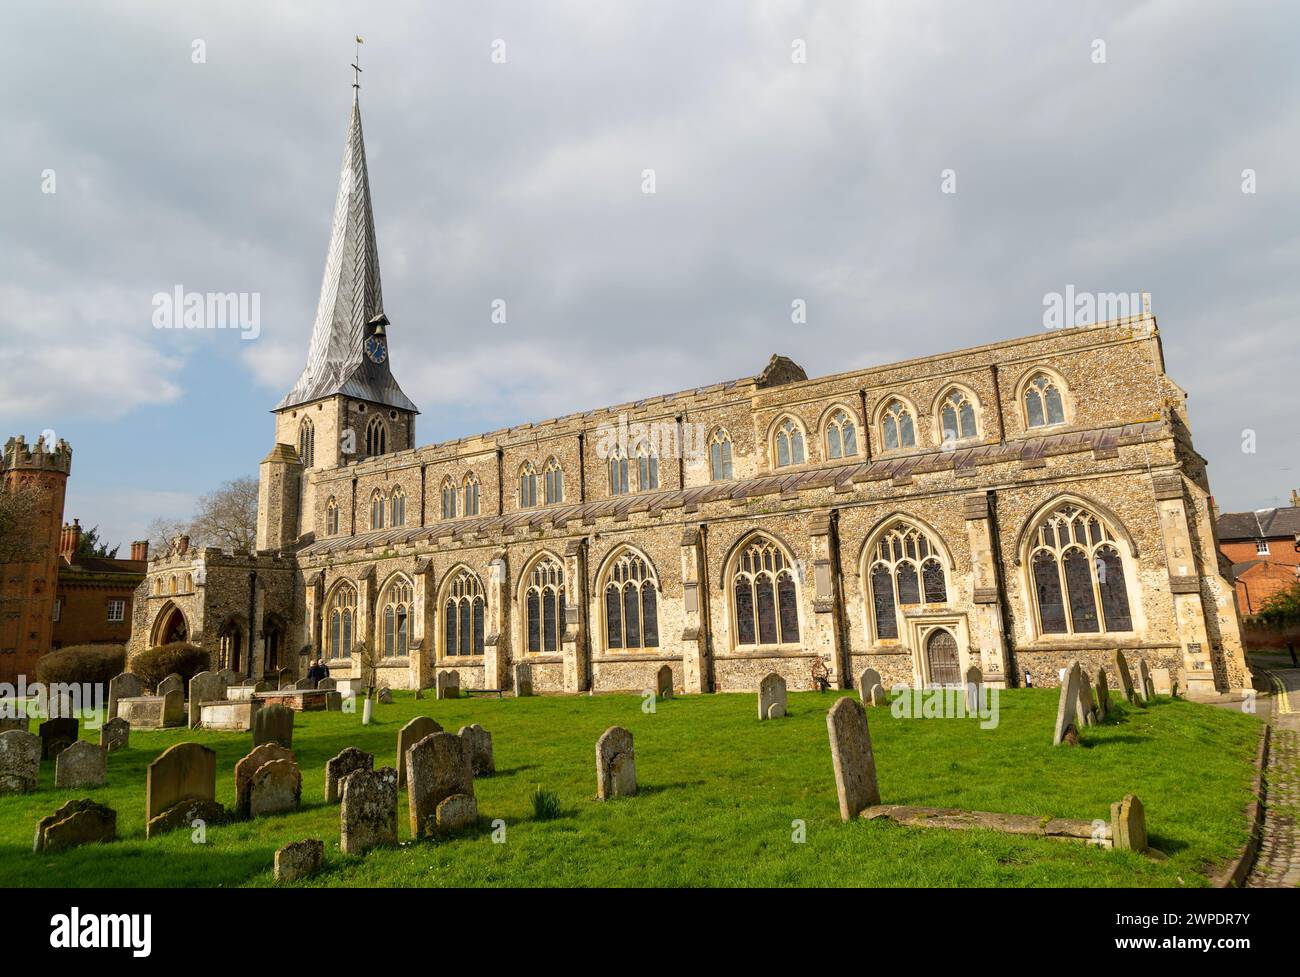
[{"x": 351, "y": 307}]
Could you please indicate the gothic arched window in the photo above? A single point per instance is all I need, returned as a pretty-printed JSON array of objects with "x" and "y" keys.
[
  {"x": 897, "y": 426},
  {"x": 307, "y": 443},
  {"x": 765, "y": 595},
  {"x": 396, "y": 604},
  {"x": 544, "y": 607},
  {"x": 340, "y": 621},
  {"x": 903, "y": 569},
  {"x": 618, "y": 478},
  {"x": 448, "y": 498},
  {"x": 957, "y": 416},
  {"x": 1043, "y": 403},
  {"x": 377, "y": 510},
  {"x": 331, "y": 517},
  {"x": 554, "y": 479},
  {"x": 631, "y": 604},
  {"x": 647, "y": 469},
  {"x": 720, "y": 456},
  {"x": 376, "y": 437},
  {"x": 397, "y": 507},
  {"x": 470, "y": 507},
  {"x": 788, "y": 444},
  {"x": 463, "y": 609},
  {"x": 527, "y": 486},
  {"x": 1078, "y": 574},
  {"x": 841, "y": 435}
]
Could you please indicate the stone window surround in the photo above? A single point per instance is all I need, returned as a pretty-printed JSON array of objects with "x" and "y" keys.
[{"x": 938, "y": 548}]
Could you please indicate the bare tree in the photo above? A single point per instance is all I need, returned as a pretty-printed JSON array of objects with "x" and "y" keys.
[{"x": 226, "y": 517}]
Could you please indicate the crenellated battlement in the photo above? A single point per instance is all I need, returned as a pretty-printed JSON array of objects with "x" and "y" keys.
[{"x": 37, "y": 457}]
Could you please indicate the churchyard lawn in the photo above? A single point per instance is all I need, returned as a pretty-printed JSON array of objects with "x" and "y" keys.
[{"x": 718, "y": 794}]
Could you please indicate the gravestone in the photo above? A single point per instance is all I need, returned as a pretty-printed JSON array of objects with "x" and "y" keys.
[
  {"x": 83, "y": 764},
  {"x": 479, "y": 743},
  {"x": 273, "y": 724},
  {"x": 286, "y": 687},
  {"x": 205, "y": 687},
  {"x": 615, "y": 764},
  {"x": 122, "y": 686},
  {"x": 1145, "y": 687},
  {"x": 304, "y": 684},
  {"x": 771, "y": 697},
  {"x": 1087, "y": 708},
  {"x": 19, "y": 723},
  {"x": 1120, "y": 664},
  {"x": 1068, "y": 707},
  {"x": 437, "y": 767},
  {"x": 56, "y": 736},
  {"x": 1128, "y": 824},
  {"x": 276, "y": 787},
  {"x": 1162, "y": 682},
  {"x": 664, "y": 682},
  {"x": 455, "y": 813},
  {"x": 299, "y": 859},
  {"x": 368, "y": 810},
  {"x": 410, "y": 734},
  {"x": 523, "y": 680},
  {"x": 246, "y": 768},
  {"x": 328, "y": 683},
  {"x": 333, "y": 700},
  {"x": 868, "y": 679},
  {"x": 20, "y": 761},
  {"x": 172, "y": 683},
  {"x": 878, "y": 697},
  {"x": 81, "y": 822},
  {"x": 1103, "y": 695},
  {"x": 851, "y": 755},
  {"x": 447, "y": 685},
  {"x": 384, "y": 696},
  {"x": 336, "y": 768},
  {"x": 231, "y": 676},
  {"x": 115, "y": 735},
  {"x": 179, "y": 786},
  {"x": 284, "y": 677},
  {"x": 974, "y": 688}
]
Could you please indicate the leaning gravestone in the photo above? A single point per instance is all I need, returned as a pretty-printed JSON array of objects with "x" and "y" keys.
[
  {"x": 878, "y": 697},
  {"x": 205, "y": 687},
  {"x": 447, "y": 685},
  {"x": 1145, "y": 687},
  {"x": 1087, "y": 708},
  {"x": 384, "y": 696},
  {"x": 368, "y": 810},
  {"x": 1067, "y": 707},
  {"x": 1128, "y": 825},
  {"x": 273, "y": 724},
  {"x": 115, "y": 735},
  {"x": 181, "y": 785},
  {"x": 615, "y": 764},
  {"x": 664, "y": 682},
  {"x": 276, "y": 787},
  {"x": 868, "y": 680},
  {"x": 523, "y": 680},
  {"x": 1120, "y": 664},
  {"x": 172, "y": 683},
  {"x": 299, "y": 859},
  {"x": 974, "y": 688},
  {"x": 20, "y": 761},
  {"x": 247, "y": 768},
  {"x": 410, "y": 734},
  {"x": 83, "y": 764},
  {"x": 438, "y": 769},
  {"x": 336, "y": 768},
  {"x": 771, "y": 697},
  {"x": 855, "y": 764},
  {"x": 76, "y": 823},
  {"x": 1103, "y": 695},
  {"x": 304, "y": 684},
  {"x": 478, "y": 741},
  {"x": 122, "y": 686},
  {"x": 56, "y": 736}
]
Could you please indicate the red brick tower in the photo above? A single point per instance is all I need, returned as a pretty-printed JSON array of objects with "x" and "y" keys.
[{"x": 29, "y": 556}]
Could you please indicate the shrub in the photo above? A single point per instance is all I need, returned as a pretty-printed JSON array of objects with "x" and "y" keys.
[
  {"x": 96, "y": 664},
  {"x": 546, "y": 805},
  {"x": 155, "y": 664}
]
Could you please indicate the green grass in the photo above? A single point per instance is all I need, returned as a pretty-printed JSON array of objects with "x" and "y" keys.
[{"x": 719, "y": 793}]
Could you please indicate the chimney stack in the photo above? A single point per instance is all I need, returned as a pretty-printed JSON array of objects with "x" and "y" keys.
[
  {"x": 69, "y": 540},
  {"x": 1295, "y": 498},
  {"x": 140, "y": 550}
]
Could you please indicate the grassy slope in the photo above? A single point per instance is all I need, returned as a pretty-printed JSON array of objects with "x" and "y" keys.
[{"x": 719, "y": 793}]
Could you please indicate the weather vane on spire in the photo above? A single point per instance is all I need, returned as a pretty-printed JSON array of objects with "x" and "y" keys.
[{"x": 356, "y": 65}]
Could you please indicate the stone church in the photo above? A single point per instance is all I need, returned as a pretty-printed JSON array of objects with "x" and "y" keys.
[{"x": 1017, "y": 506}]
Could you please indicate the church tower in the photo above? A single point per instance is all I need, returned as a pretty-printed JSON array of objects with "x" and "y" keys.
[{"x": 346, "y": 406}]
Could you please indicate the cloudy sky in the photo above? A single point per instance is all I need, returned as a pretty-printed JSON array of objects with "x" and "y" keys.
[{"x": 214, "y": 165}]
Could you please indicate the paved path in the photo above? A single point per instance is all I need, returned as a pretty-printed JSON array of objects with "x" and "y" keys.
[{"x": 1278, "y": 862}]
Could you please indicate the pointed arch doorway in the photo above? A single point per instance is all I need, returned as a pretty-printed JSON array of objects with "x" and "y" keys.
[{"x": 942, "y": 657}]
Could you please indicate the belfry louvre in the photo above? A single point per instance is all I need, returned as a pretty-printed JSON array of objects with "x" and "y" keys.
[{"x": 1016, "y": 506}]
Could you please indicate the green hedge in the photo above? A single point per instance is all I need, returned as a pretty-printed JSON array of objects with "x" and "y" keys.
[
  {"x": 96, "y": 664},
  {"x": 155, "y": 664}
]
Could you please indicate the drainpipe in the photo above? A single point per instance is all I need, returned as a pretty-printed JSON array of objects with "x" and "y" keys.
[{"x": 252, "y": 609}]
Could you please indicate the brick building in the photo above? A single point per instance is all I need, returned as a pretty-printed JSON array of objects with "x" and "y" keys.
[
  {"x": 95, "y": 595},
  {"x": 1264, "y": 549}
]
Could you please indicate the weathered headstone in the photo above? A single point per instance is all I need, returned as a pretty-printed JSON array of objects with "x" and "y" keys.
[
  {"x": 615, "y": 764},
  {"x": 771, "y": 697},
  {"x": 368, "y": 810},
  {"x": 304, "y": 684},
  {"x": 20, "y": 761},
  {"x": 1067, "y": 707},
  {"x": 172, "y": 683},
  {"x": 328, "y": 683},
  {"x": 1128, "y": 825},
  {"x": 83, "y": 764},
  {"x": 1120, "y": 664},
  {"x": 974, "y": 688},
  {"x": 410, "y": 734},
  {"x": 664, "y": 682},
  {"x": 384, "y": 696},
  {"x": 333, "y": 701},
  {"x": 437, "y": 767},
  {"x": 180, "y": 785},
  {"x": 523, "y": 679},
  {"x": 878, "y": 696},
  {"x": 868, "y": 679},
  {"x": 80, "y": 822},
  {"x": 1145, "y": 687},
  {"x": 273, "y": 724},
  {"x": 205, "y": 687},
  {"x": 115, "y": 735},
  {"x": 1162, "y": 682},
  {"x": 851, "y": 755},
  {"x": 231, "y": 676},
  {"x": 276, "y": 787},
  {"x": 455, "y": 813},
  {"x": 1087, "y": 708},
  {"x": 447, "y": 685},
  {"x": 1103, "y": 695},
  {"x": 246, "y": 768},
  {"x": 336, "y": 768},
  {"x": 56, "y": 736},
  {"x": 479, "y": 743},
  {"x": 122, "y": 686},
  {"x": 298, "y": 859}
]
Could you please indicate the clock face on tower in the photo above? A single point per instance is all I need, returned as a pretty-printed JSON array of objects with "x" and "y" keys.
[{"x": 376, "y": 349}]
